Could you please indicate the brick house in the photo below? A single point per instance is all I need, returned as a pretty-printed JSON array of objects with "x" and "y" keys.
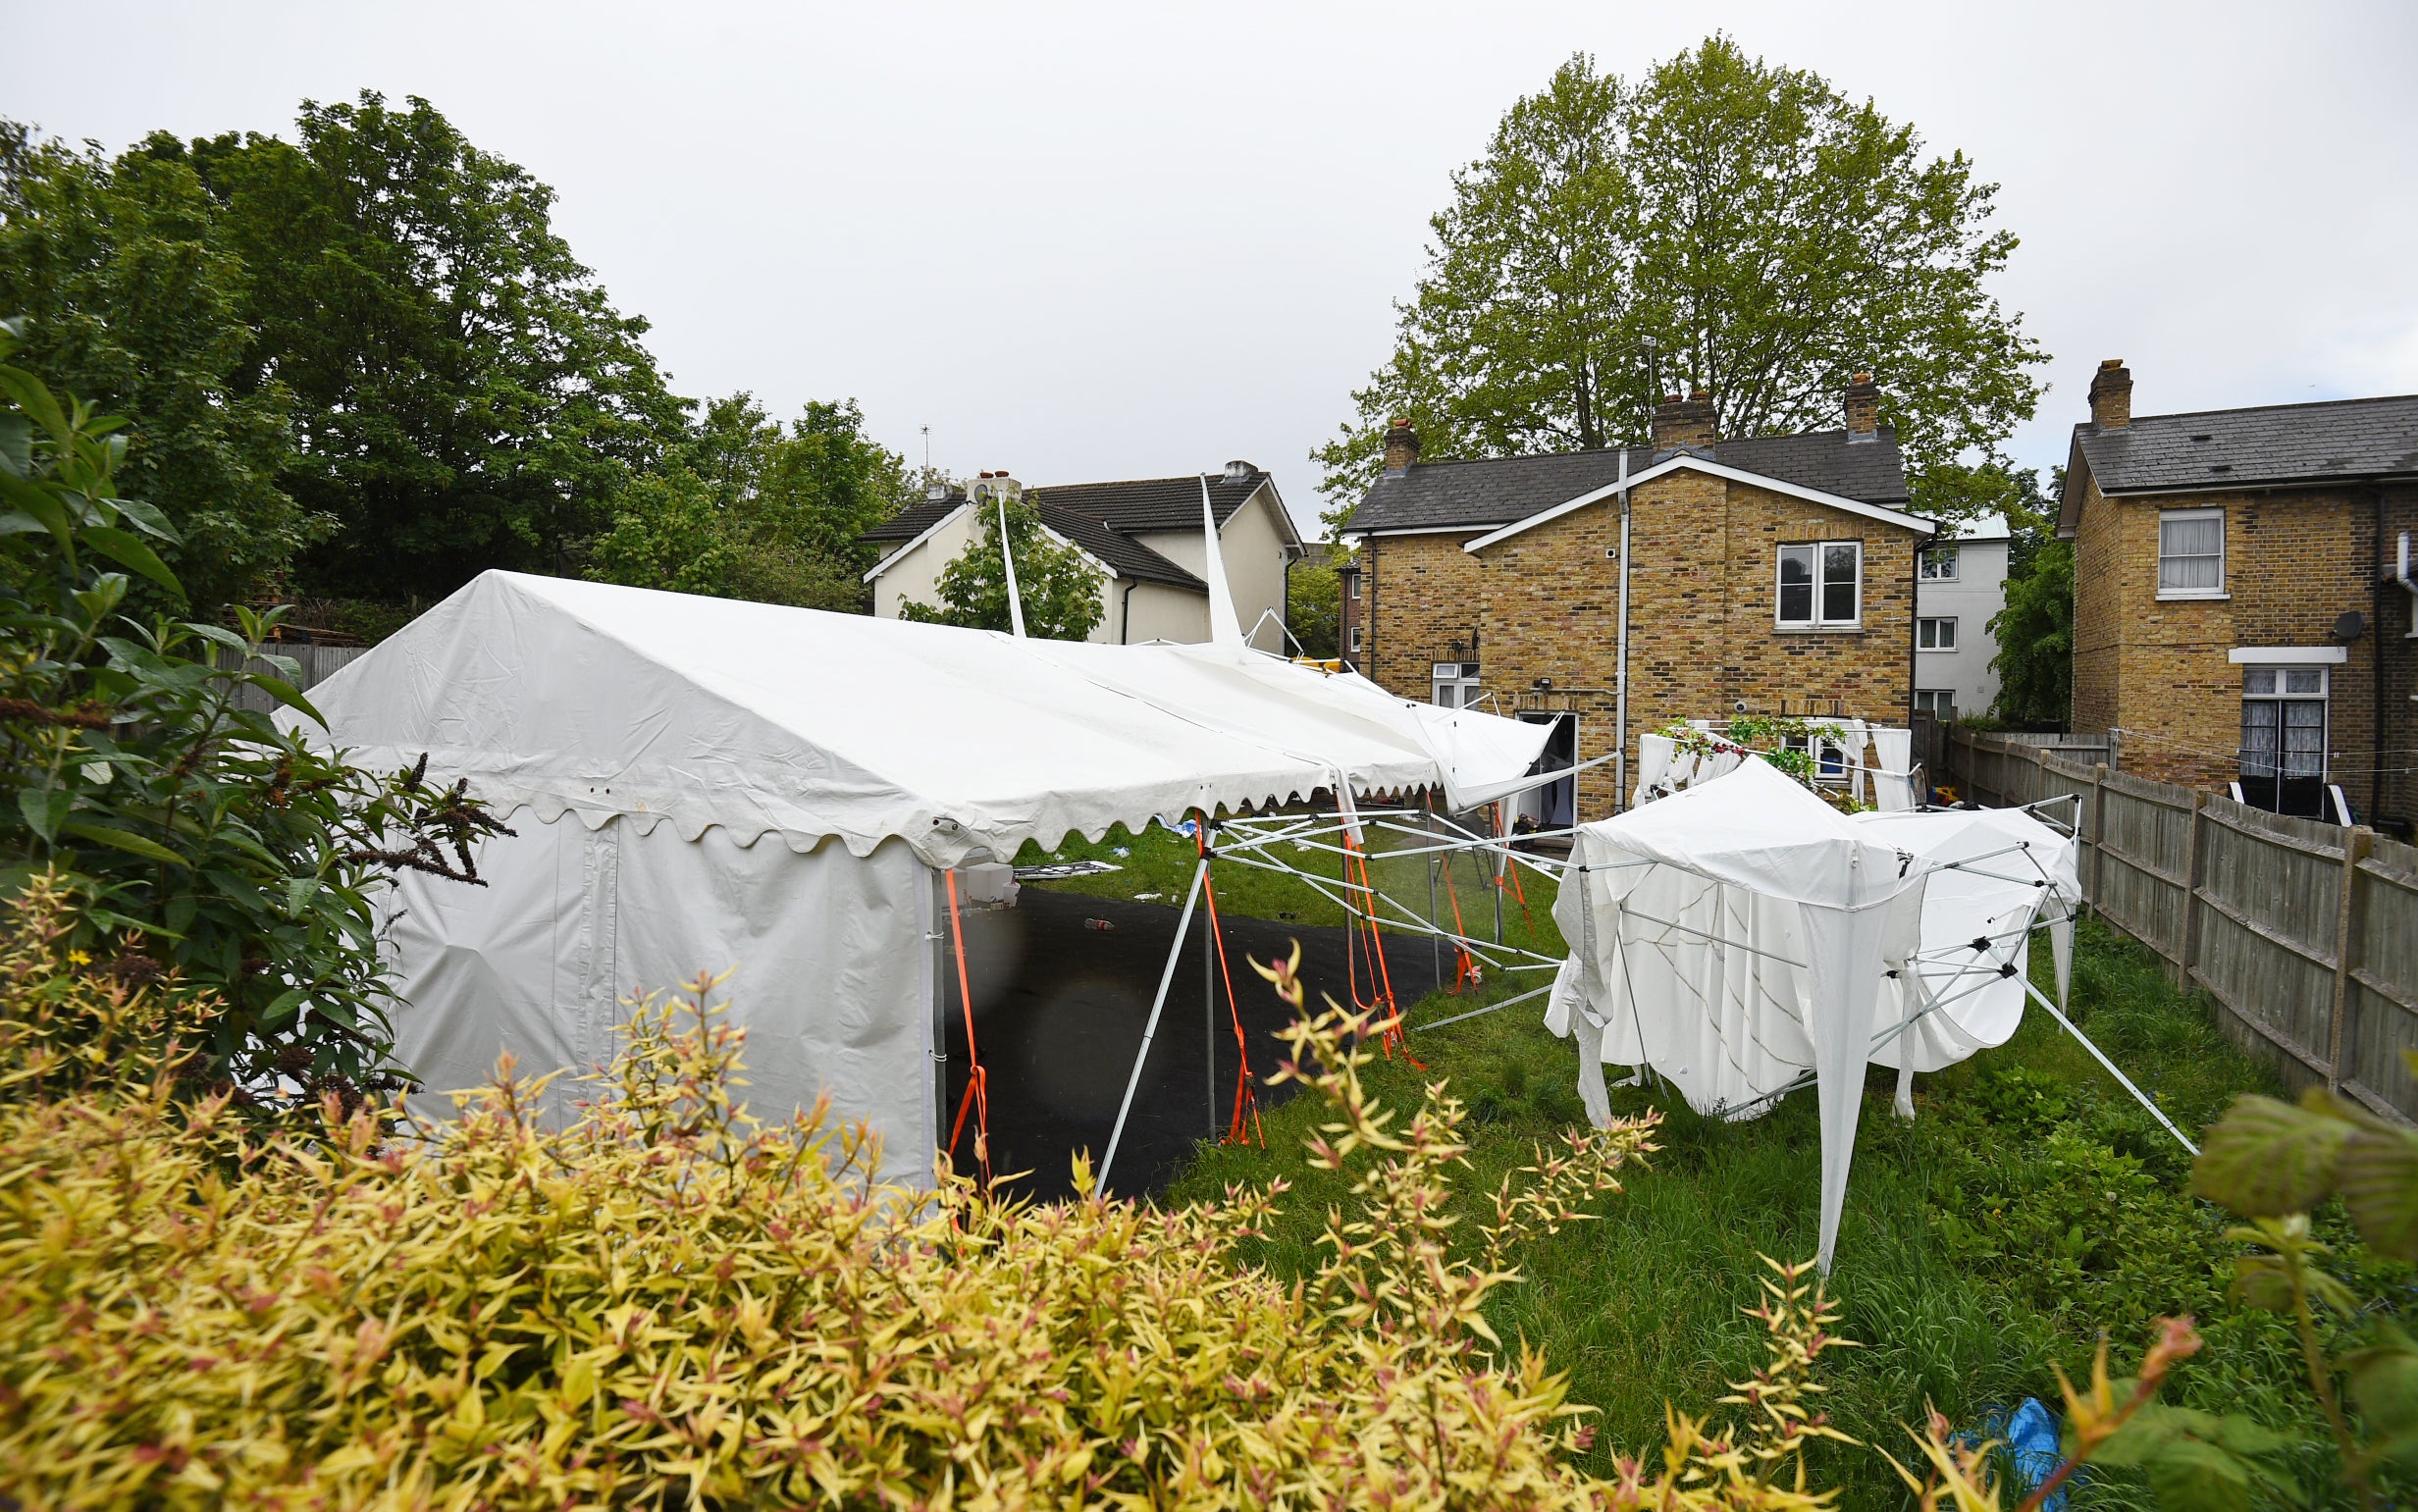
[
  {"x": 1351, "y": 624},
  {"x": 2243, "y": 608},
  {"x": 1774, "y": 574}
]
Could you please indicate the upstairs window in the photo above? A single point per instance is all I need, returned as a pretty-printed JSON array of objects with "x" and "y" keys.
[
  {"x": 1935, "y": 634},
  {"x": 1354, "y": 580},
  {"x": 1939, "y": 564},
  {"x": 2191, "y": 553},
  {"x": 1821, "y": 585}
]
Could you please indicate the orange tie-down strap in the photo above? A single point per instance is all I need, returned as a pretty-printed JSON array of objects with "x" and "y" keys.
[
  {"x": 1381, "y": 975},
  {"x": 977, "y": 1098},
  {"x": 1246, "y": 1092}
]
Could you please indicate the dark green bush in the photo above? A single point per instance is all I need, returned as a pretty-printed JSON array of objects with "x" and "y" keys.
[{"x": 193, "y": 839}]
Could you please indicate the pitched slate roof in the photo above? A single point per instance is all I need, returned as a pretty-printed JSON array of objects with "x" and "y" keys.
[
  {"x": 1103, "y": 517},
  {"x": 1155, "y": 504},
  {"x": 2277, "y": 443},
  {"x": 1500, "y": 490},
  {"x": 1127, "y": 559},
  {"x": 914, "y": 520}
]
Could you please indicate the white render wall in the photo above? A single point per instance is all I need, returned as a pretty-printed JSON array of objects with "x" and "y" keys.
[
  {"x": 1979, "y": 592},
  {"x": 1253, "y": 542}
]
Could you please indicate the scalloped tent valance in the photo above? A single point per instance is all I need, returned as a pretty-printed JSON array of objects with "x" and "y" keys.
[{"x": 757, "y": 720}]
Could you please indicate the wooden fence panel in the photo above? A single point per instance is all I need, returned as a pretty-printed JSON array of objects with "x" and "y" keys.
[
  {"x": 2380, "y": 1009},
  {"x": 2305, "y": 935},
  {"x": 315, "y": 664}
]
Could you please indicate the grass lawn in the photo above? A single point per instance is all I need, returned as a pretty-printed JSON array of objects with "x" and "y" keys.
[{"x": 2029, "y": 1207}]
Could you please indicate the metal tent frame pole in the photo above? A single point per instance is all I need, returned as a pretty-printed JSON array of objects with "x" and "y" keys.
[{"x": 1150, "y": 1029}]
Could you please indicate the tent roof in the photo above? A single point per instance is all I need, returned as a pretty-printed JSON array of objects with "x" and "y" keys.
[
  {"x": 567, "y": 696},
  {"x": 1756, "y": 828}
]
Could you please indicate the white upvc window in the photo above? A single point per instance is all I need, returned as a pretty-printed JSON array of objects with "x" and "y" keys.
[
  {"x": 1935, "y": 634},
  {"x": 1938, "y": 702},
  {"x": 2283, "y": 721},
  {"x": 1354, "y": 580},
  {"x": 1939, "y": 564},
  {"x": 1355, "y": 637},
  {"x": 1821, "y": 585},
  {"x": 2191, "y": 553},
  {"x": 1455, "y": 684}
]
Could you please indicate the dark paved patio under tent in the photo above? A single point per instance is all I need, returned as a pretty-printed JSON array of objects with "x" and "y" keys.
[{"x": 1059, "y": 1010}]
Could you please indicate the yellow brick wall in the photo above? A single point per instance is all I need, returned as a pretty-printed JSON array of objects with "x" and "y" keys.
[
  {"x": 1545, "y": 604},
  {"x": 2160, "y": 671}
]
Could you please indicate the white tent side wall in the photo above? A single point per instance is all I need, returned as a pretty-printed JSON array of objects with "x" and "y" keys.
[{"x": 833, "y": 976}]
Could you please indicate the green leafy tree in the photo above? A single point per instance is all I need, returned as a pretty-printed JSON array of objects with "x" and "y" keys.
[
  {"x": 463, "y": 394},
  {"x": 1762, "y": 233},
  {"x": 2035, "y": 631},
  {"x": 196, "y": 840},
  {"x": 135, "y": 295},
  {"x": 1059, "y": 586},
  {"x": 743, "y": 509},
  {"x": 1314, "y": 600}
]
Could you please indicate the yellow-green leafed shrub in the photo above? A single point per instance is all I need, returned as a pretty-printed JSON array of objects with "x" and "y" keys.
[{"x": 664, "y": 1304}]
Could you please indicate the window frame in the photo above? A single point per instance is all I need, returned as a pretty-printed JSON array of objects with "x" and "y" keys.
[
  {"x": 1464, "y": 681},
  {"x": 1936, "y": 557},
  {"x": 1929, "y": 622},
  {"x": 1818, "y": 585},
  {"x": 1353, "y": 579},
  {"x": 1354, "y": 635},
  {"x": 2168, "y": 595},
  {"x": 1937, "y": 696},
  {"x": 2280, "y": 691}
]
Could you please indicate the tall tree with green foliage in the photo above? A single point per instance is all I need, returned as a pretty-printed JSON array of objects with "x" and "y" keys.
[
  {"x": 135, "y": 295},
  {"x": 742, "y": 509},
  {"x": 1764, "y": 235},
  {"x": 464, "y": 397},
  {"x": 1057, "y": 585},
  {"x": 2035, "y": 630},
  {"x": 1314, "y": 600}
]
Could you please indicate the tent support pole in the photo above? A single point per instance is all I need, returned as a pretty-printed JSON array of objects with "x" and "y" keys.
[
  {"x": 2097, "y": 1054},
  {"x": 1167, "y": 980}
]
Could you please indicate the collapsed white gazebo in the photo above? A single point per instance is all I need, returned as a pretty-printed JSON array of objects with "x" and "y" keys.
[{"x": 1742, "y": 938}]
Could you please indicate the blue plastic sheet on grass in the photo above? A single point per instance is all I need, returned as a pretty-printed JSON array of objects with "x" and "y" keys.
[{"x": 2028, "y": 1437}]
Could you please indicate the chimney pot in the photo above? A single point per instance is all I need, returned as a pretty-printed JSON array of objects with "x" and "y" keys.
[
  {"x": 2111, "y": 396},
  {"x": 1688, "y": 422},
  {"x": 1863, "y": 409},
  {"x": 1401, "y": 447},
  {"x": 1238, "y": 469}
]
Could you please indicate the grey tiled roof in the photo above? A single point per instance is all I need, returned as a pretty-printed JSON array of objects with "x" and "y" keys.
[
  {"x": 1154, "y": 503},
  {"x": 1102, "y": 517},
  {"x": 1499, "y": 491},
  {"x": 1127, "y": 559},
  {"x": 914, "y": 520},
  {"x": 2279, "y": 443}
]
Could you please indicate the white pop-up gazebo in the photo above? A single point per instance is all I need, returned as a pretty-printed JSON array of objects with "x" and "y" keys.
[
  {"x": 1743, "y": 938},
  {"x": 699, "y": 784}
]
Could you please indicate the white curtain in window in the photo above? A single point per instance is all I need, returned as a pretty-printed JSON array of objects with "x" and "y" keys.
[{"x": 2191, "y": 553}]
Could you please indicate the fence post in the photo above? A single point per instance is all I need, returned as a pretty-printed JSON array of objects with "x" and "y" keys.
[
  {"x": 2098, "y": 828},
  {"x": 2356, "y": 842},
  {"x": 2188, "y": 946}
]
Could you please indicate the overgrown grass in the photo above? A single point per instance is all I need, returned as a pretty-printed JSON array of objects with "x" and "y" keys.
[{"x": 2029, "y": 1209}]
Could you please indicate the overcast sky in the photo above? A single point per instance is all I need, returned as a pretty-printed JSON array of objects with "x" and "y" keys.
[{"x": 1091, "y": 243}]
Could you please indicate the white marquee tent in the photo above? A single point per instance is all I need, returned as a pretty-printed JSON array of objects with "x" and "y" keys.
[
  {"x": 699, "y": 784},
  {"x": 1741, "y": 936}
]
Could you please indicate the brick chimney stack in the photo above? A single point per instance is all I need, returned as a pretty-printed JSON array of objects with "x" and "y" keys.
[
  {"x": 1863, "y": 409},
  {"x": 1401, "y": 447},
  {"x": 1688, "y": 422},
  {"x": 2111, "y": 396}
]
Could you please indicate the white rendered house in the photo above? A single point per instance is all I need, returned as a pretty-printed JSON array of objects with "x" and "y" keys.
[
  {"x": 1144, "y": 536},
  {"x": 1961, "y": 583}
]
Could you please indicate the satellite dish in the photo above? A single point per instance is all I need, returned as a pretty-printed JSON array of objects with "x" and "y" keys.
[{"x": 2348, "y": 624}]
